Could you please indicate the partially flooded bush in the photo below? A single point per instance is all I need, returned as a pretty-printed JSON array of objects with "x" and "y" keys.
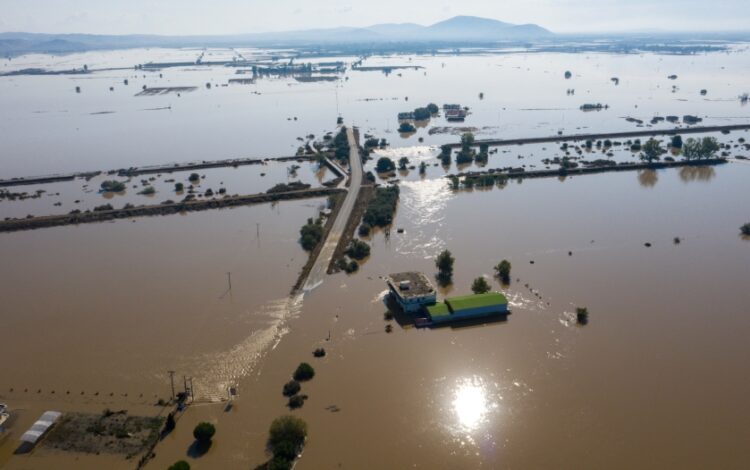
[
  {"x": 287, "y": 430},
  {"x": 112, "y": 186},
  {"x": 582, "y": 315},
  {"x": 296, "y": 401},
  {"x": 180, "y": 465},
  {"x": 304, "y": 372},
  {"x": 358, "y": 250},
  {"x": 291, "y": 388},
  {"x": 203, "y": 432}
]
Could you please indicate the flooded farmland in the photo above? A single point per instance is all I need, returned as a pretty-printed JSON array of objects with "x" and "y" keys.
[{"x": 98, "y": 314}]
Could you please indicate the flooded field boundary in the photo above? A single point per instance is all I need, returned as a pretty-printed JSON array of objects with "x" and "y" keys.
[
  {"x": 591, "y": 170},
  {"x": 607, "y": 135},
  {"x": 159, "y": 209},
  {"x": 167, "y": 168}
]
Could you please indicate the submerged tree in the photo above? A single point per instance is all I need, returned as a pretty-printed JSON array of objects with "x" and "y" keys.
[
  {"x": 406, "y": 128},
  {"x": 651, "y": 150},
  {"x": 480, "y": 285},
  {"x": 403, "y": 162},
  {"x": 503, "y": 271},
  {"x": 203, "y": 432},
  {"x": 582, "y": 315},
  {"x": 304, "y": 372},
  {"x": 745, "y": 229},
  {"x": 709, "y": 147},
  {"x": 385, "y": 165},
  {"x": 179, "y": 465},
  {"x": 444, "y": 263},
  {"x": 697, "y": 149},
  {"x": 676, "y": 142}
]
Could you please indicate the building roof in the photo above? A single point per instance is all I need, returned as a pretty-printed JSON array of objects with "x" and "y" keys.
[
  {"x": 418, "y": 284},
  {"x": 40, "y": 426},
  {"x": 439, "y": 309},
  {"x": 476, "y": 301}
]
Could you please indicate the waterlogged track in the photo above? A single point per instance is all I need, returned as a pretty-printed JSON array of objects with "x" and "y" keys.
[
  {"x": 319, "y": 269},
  {"x": 156, "y": 169}
]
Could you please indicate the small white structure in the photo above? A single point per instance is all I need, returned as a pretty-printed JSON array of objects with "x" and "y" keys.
[
  {"x": 41, "y": 426},
  {"x": 411, "y": 290}
]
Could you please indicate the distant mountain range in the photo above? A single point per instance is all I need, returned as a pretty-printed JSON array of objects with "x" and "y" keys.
[{"x": 458, "y": 29}]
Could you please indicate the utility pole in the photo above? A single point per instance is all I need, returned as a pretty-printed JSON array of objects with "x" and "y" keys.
[
  {"x": 171, "y": 380},
  {"x": 229, "y": 277},
  {"x": 192, "y": 394}
]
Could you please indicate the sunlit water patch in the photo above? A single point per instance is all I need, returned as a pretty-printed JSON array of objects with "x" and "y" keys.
[{"x": 423, "y": 204}]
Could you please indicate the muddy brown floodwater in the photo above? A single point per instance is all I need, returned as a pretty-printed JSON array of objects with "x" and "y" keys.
[
  {"x": 655, "y": 380},
  {"x": 94, "y": 316}
]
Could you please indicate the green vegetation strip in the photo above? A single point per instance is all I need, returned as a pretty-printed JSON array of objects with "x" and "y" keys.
[{"x": 381, "y": 208}]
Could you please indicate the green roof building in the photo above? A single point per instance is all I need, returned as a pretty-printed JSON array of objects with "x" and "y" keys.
[{"x": 468, "y": 307}]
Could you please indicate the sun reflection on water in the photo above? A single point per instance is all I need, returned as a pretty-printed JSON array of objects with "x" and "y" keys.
[{"x": 470, "y": 405}]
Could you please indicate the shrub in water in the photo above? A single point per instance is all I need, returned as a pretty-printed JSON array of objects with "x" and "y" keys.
[
  {"x": 287, "y": 430},
  {"x": 304, "y": 372},
  {"x": 320, "y": 352},
  {"x": 181, "y": 465},
  {"x": 296, "y": 401},
  {"x": 291, "y": 388},
  {"x": 203, "y": 432}
]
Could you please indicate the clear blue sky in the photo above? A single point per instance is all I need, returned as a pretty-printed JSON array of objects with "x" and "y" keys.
[{"x": 244, "y": 16}]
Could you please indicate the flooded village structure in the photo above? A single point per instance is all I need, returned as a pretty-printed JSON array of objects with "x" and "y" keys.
[
  {"x": 414, "y": 294},
  {"x": 222, "y": 298}
]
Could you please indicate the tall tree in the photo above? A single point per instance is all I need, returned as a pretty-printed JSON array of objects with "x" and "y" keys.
[
  {"x": 503, "y": 271},
  {"x": 709, "y": 147},
  {"x": 444, "y": 263},
  {"x": 651, "y": 150},
  {"x": 691, "y": 149}
]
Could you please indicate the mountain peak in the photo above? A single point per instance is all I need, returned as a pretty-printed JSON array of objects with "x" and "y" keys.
[{"x": 474, "y": 28}]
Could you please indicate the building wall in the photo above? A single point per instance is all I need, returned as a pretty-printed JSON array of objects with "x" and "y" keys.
[
  {"x": 472, "y": 313},
  {"x": 414, "y": 304}
]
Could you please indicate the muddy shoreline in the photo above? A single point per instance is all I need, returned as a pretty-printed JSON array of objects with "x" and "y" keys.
[
  {"x": 607, "y": 135},
  {"x": 158, "y": 209}
]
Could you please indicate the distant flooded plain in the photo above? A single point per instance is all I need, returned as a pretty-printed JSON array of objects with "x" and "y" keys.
[
  {"x": 98, "y": 314},
  {"x": 49, "y": 128}
]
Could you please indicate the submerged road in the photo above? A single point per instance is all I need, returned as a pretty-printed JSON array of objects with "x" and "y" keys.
[{"x": 319, "y": 269}]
